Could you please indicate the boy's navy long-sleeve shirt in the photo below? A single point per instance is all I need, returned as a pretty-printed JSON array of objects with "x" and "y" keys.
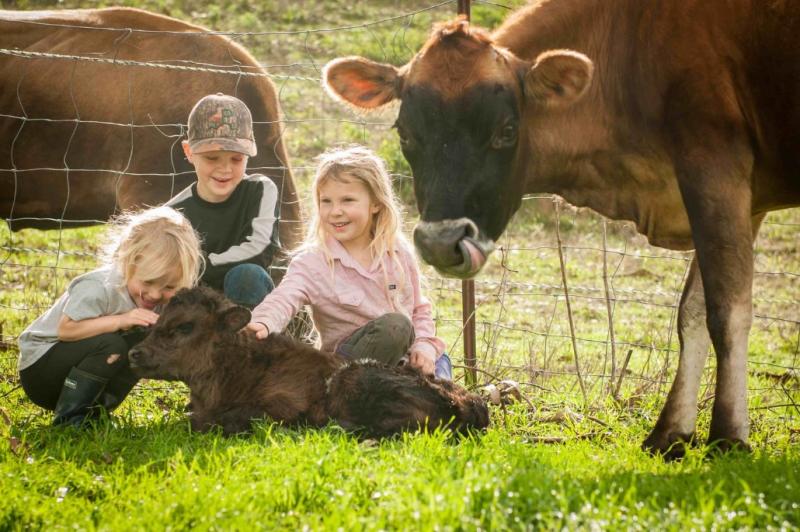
[{"x": 242, "y": 229}]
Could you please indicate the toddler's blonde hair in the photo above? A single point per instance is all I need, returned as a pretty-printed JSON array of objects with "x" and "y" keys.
[
  {"x": 363, "y": 165},
  {"x": 148, "y": 244}
]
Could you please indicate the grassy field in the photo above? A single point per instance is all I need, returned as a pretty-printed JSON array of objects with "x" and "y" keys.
[{"x": 557, "y": 460}]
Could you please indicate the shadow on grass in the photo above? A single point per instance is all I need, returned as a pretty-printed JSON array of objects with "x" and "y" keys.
[
  {"x": 595, "y": 484},
  {"x": 133, "y": 440}
]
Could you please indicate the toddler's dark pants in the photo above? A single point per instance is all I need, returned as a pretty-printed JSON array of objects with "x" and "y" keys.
[{"x": 43, "y": 381}]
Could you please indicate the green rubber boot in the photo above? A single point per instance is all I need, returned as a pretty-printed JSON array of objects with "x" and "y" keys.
[
  {"x": 116, "y": 391},
  {"x": 79, "y": 394}
]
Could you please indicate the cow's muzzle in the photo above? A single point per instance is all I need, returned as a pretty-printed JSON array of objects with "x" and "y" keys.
[{"x": 454, "y": 247}]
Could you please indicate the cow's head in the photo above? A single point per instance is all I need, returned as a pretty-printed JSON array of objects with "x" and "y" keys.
[
  {"x": 181, "y": 345},
  {"x": 464, "y": 125}
]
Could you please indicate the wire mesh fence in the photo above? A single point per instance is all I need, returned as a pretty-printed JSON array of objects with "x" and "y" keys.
[{"x": 575, "y": 308}]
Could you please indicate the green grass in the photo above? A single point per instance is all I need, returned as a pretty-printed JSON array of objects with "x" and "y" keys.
[
  {"x": 147, "y": 472},
  {"x": 556, "y": 461}
]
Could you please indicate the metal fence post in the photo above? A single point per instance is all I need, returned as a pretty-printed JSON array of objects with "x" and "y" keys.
[{"x": 468, "y": 289}]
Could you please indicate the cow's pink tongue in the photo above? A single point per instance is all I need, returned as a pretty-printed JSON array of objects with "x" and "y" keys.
[{"x": 476, "y": 256}]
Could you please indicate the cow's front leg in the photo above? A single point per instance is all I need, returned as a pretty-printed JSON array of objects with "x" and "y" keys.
[
  {"x": 729, "y": 307},
  {"x": 718, "y": 203},
  {"x": 710, "y": 146},
  {"x": 730, "y": 424},
  {"x": 676, "y": 424},
  {"x": 729, "y": 319}
]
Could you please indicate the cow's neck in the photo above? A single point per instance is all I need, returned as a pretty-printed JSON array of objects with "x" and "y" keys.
[
  {"x": 589, "y": 154},
  {"x": 545, "y": 25},
  {"x": 624, "y": 186}
]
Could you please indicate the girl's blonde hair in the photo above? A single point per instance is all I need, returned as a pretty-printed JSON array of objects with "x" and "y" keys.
[
  {"x": 358, "y": 163},
  {"x": 151, "y": 242}
]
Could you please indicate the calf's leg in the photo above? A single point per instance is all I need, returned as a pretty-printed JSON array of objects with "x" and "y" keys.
[{"x": 232, "y": 419}]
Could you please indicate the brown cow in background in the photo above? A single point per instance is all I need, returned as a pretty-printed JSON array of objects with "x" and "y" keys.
[
  {"x": 680, "y": 115},
  {"x": 80, "y": 140}
]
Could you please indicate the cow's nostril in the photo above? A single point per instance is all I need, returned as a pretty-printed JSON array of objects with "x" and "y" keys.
[
  {"x": 470, "y": 229},
  {"x": 454, "y": 247}
]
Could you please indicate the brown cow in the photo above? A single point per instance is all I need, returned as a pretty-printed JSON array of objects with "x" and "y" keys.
[
  {"x": 81, "y": 139},
  {"x": 680, "y": 115},
  {"x": 234, "y": 378}
]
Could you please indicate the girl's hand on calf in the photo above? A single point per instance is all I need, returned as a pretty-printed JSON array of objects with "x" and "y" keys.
[
  {"x": 422, "y": 360},
  {"x": 259, "y": 328},
  {"x": 138, "y": 317}
]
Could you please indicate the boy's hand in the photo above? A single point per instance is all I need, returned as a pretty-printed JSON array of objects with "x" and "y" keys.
[
  {"x": 259, "y": 328},
  {"x": 422, "y": 359},
  {"x": 138, "y": 317}
]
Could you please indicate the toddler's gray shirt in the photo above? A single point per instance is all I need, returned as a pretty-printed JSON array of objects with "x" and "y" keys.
[{"x": 100, "y": 292}]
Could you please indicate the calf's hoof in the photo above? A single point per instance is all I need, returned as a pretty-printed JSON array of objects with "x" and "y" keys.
[{"x": 671, "y": 446}]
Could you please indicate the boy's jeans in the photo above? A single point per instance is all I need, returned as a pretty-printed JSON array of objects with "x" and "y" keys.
[{"x": 247, "y": 285}]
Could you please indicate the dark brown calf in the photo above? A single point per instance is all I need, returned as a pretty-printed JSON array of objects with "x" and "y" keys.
[
  {"x": 234, "y": 378},
  {"x": 367, "y": 394}
]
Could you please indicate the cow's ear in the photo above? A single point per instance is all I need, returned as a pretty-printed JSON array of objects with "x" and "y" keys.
[
  {"x": 234, "y": 318},
  {"x": 559, "y": 78},
  {"x": 361, "y": 82}
]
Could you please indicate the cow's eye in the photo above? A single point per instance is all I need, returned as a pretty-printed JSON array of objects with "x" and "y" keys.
[
  {"x": 185, "y": 328},
  {"x": 505, "y": 137}
]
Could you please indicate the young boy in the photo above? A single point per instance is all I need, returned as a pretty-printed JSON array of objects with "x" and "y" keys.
[{"x": 236, "y": 214}]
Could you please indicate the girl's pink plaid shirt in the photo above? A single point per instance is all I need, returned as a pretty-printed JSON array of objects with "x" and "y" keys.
[{"x": 349, "y": 297}]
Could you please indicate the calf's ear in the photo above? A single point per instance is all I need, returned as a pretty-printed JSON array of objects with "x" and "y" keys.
[
  {"x": 559, "y": 78},
  {"x": 234, "y": 318},
  {"x": 361, "y": 82}
]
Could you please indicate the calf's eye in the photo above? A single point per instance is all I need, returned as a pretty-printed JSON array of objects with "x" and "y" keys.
[{"x": 185, "y": 328}]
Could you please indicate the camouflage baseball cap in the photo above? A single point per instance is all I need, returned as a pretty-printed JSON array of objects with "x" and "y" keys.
[{"x": 221, "y": 122}]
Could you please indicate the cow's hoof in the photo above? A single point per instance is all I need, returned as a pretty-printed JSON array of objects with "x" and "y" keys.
[
  {"x": 669, "y": 446},
  {"x": 720, "y": 446}
]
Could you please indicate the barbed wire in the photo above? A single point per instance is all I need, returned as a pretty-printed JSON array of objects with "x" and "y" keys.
[
  {"x": 182, "y": 126},
  {"x": 234, "y": 70},
  {"x": 257, "y": 33}
]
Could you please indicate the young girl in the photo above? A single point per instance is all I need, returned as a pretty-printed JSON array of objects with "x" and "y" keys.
[
  {"x": 73, "y": 358},
  {"x": 357, "y": 272}
]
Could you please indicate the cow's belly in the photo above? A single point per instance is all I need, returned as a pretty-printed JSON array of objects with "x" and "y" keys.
[{"x": 772, "y": 193}]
